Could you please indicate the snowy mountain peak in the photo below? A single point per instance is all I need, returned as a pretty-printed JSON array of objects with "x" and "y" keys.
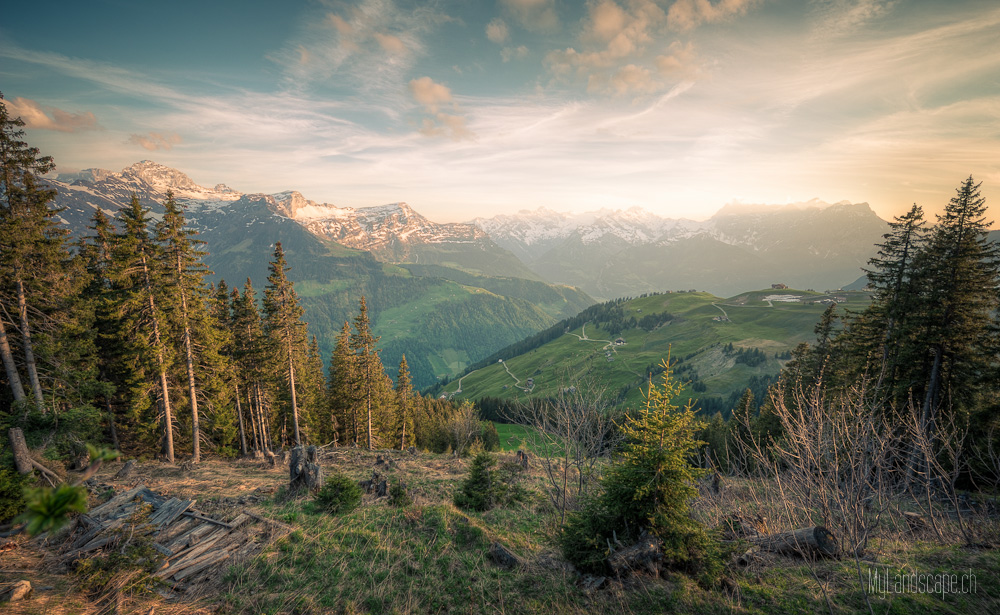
[
  {"x": 160, "y": 177},
  {"x": 89, "y": 175}
]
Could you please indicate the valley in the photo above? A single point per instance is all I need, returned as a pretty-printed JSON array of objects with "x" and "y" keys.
[{"x": 708, "y": 337}]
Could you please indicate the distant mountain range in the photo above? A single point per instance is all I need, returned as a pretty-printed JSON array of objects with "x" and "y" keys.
[
  {"x": 461, "y": 298},
  {"x": 449, "y": 295},
  {"x": 615, "y": 253}
]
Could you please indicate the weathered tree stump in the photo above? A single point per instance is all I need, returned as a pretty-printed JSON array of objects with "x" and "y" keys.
[
  {"x": 312, "y": 454},
  {"x": 22, "y": 459},
  {"x": 301, "y": 473},
  {"x": 502, "y": 556},
  {"x": 807, "y": 542},
  {"x": 646, "y": 554},
  {"x": 522, "y": 458},
  {"x": 126, "y": 470}
]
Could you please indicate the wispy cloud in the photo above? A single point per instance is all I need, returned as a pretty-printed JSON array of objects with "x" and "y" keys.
[
  {"x": 155, "y": 141},
  {"x": 689, "y": 14},
  {"x": 534, "y": 15},
  {"x": 434, "y": 97},
  {"x": 49, "y": 118}
]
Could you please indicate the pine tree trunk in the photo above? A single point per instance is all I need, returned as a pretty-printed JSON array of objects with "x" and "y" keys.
[
  {"x": 258, "y": 438},
  {"x": 239, "y": 414},
  {"x": 926, "y": 414},
  {"x": 402, "y": 439},
  {"x": 192, "y": 392},
  {"x": 265, "y": 428},
  {"x": 168, "y": 433},
  {"x": 22, "y": 460},
  {"x": 29, "y": 353},
  {"x": 8, "y": 362},
  {"x": 368, "y": 394},
  {"x": 291, "y": 383}
]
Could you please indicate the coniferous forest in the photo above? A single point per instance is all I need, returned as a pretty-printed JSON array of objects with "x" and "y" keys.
[{"x": 118, "y": 339}]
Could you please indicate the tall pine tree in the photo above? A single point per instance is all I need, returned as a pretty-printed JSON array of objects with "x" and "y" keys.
[
  {"x": 138, "y": 276},
  {"x": 285, "y": 329}
]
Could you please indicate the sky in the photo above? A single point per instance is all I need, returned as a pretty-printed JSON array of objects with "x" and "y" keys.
[{"x": 466, "y": 109}]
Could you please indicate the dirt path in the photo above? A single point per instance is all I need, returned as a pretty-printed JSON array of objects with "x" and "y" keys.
[
  {"x": 517, "y": 381},
  {"x": 584, "y": 337},
  {"x": 723, "y": 311}
]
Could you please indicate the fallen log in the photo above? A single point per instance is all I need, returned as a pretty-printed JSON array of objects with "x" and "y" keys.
[{"x": 816, "y": 541}]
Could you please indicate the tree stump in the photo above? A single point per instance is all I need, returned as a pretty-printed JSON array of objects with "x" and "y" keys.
[
  {"x": 522, "y": 458},
  {"x": 301, "y": 473},
  {"x": 807, "y": 542},
  {"x": 22, "y": 459},
  {"x": 126, "y": 470}
]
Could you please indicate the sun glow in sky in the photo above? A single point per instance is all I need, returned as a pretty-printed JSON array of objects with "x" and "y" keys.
[{"x": 475, "y": 108}]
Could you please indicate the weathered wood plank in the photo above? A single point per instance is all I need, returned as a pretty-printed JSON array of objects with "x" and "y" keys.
[
  {"x": 197, "y": 515},
  {"x": 117, "y": 501}
]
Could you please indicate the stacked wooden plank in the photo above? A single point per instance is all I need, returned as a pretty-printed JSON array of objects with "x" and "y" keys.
[{"x": 194, "y": 545}]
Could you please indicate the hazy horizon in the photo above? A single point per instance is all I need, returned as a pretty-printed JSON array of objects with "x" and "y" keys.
[{"x": 464, "y": 109}]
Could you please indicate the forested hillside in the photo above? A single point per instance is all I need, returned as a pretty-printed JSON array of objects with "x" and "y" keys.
[{"x": 118, "y": 337}]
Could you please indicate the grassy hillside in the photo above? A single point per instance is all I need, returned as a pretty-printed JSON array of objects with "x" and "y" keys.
[
  {"x": 441, "y": 325},
  {"x": 619, "y": 344},
  {"x": 430, "y": 557},
  {"x": 555, "y": 300}
]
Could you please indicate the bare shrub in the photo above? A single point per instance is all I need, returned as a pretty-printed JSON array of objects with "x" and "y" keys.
[{"x": 570, "y": 434}]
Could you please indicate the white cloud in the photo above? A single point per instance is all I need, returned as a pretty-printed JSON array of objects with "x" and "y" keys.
[
  {"x": 49, "y": 118},
  {"x": 497, "y": 31}
]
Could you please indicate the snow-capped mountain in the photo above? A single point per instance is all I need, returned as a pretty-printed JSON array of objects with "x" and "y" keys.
[
  {"x": 393, "y": 233},
  {"x": 530, "y": 234},
  {"x": 611, "y": 253}
]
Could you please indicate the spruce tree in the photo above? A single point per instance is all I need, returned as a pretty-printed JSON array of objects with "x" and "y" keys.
[
  {"x": 340, "y": 387},
  {"x": 138, "y": 276},
  {"x": 39, "y": 280},
  {"x": 285, "y": 329},
  {"x": 186, "y": 297},
  {"x": 372, "y": 385},
  {"x": 404, "y": 405},
  {"x": 960, "y": 274},
  {"x": 250, "y": 353}
]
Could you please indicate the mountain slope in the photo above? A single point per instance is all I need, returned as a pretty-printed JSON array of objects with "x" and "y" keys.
[
  {"x": 617, "y": 344},
  {"x": 467, "y": 322}
]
